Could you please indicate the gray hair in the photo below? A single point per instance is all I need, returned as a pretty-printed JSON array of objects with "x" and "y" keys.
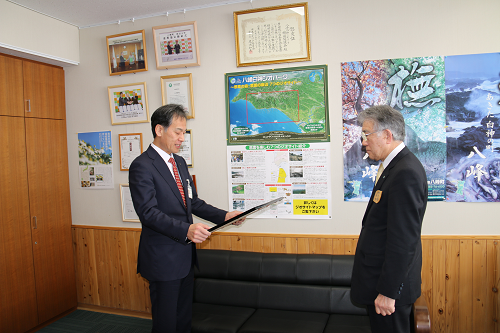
[{"x": 385, "y": 117}]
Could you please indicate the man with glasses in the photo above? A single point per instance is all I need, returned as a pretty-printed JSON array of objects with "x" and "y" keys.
[{"x": 388, "y": 261}]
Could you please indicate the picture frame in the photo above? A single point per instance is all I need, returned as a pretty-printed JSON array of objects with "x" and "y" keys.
[
  {"x": 130, "y": 147},
  {"x": 176, "y": 45},
  {"x": 288, "y": 25},
  {"x": 128, "y": 103},
  {"x": 128, "y": 211},
  {"x": 127, "y": 53},
  {"x": 186, "y": 150},
  {"x": 178, "y": 89}
]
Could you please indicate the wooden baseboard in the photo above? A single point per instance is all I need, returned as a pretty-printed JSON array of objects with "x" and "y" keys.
[{"x": 120, "y": 312}]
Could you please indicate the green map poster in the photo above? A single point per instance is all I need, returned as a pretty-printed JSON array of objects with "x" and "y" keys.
[{"x": 277, "y": 106}]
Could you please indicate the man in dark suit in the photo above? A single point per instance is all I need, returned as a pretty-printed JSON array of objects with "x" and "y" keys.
[
  {"x": 165, "y": 207},
  {"x": 387, "y": 267}
]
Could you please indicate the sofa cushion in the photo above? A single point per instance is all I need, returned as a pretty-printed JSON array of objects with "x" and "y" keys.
[
  {"x": 338, "y": 323},
  {"x": 208, "y": 318},
  {"x": 279, "y": 321}
]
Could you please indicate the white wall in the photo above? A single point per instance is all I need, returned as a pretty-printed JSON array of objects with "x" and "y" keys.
[
  {"x": 340, "y": 31},
  {"x": 25, "y": 33}
]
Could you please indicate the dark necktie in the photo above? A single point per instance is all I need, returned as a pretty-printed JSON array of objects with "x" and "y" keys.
[{"x": 177, "y": 179}]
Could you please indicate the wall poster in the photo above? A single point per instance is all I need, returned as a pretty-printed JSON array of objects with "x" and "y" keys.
[
  {"x": 473, "y": 127},
  {"x": 300, "y": 172},
  {"x": 416, "y": 87},
  {"x": 277, "y": 106},
  {"x": 95, "y": 157}
]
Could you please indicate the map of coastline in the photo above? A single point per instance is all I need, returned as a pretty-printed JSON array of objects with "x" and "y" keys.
[{"x": 288, "y": 107}]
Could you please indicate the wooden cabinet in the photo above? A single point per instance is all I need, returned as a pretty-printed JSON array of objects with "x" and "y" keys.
[{"x": 37, "y": 278}]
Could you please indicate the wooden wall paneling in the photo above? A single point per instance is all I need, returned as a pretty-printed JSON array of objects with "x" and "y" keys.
[
  {"x": 438, "y": 285},
  {"x": 455, "y": 272},
  {"x": 479, "y": 294},
  {"x": 17, "y": 276},
  {"x": 315, "y": 246},
  {"x": 350, "y": 245},
  {"x": 303, "y": 245},
  {"x": 492, "y": 285},
  {"x": 427, "y": 268},
  {"x": 466, "y": 285},
  {"x": 11, "y": 85},
  {"x": 86, "y": 268},
  {"x": 452, "y": 284},
  {"x": 338, "y": 246}
]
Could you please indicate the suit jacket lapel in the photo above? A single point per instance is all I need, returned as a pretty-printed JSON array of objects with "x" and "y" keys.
[
  {"x": 164, "y": 171},
  {"x": 383, "y": 177}
]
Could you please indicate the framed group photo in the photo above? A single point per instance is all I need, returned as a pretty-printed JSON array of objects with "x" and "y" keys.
[
  {"x": 272, "y": 35},
  {"x": 127, "y": 53},
  {"x": 176, "y": 45},
  {"x": 178, "y": 89},
  {"x": 128, "y": 103}
]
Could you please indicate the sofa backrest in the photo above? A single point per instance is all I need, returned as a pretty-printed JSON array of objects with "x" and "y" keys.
[{"x": 300, "y": 282}]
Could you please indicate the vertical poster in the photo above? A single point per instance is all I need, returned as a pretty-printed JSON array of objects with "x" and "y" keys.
[
  {"x": 299, "y": 172},
  {"x": 95, "y": 160},
  {"x": 473, "y": 129},
  {"x": 414, "y": 86}
]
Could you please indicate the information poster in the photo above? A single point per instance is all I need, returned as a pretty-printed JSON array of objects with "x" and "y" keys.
[
  {"x": 298, "y": 172},
  {"x": 95, "y": 160},
  {"x": 277, "y": 106}
]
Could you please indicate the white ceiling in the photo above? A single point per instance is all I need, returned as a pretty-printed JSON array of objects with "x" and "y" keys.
[{"x": 88, "y": 13}]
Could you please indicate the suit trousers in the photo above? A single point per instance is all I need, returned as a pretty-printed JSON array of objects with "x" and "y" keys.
[
  {"x": 172, "y": 304},
  {"x": 398, "y": 322}
]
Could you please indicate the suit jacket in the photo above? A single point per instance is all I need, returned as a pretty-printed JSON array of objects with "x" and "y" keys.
[
  {"x": 388, "y": 257},
  {"x": 163, "y": 253}
]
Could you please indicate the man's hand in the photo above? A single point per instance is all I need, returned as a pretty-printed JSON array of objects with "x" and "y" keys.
[
  {"x": 198, "y": 232},
  {"x": 232, "y": 214},
  {"x": 385, "y": 306}
]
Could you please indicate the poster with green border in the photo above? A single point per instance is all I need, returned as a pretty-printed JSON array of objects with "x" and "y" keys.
[{"x": 277, "y": 106}]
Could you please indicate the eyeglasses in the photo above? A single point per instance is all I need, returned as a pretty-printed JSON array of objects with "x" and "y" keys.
[{"x": 364, "y": 136}]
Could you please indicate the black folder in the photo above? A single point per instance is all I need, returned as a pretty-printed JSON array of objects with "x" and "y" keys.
[{"x": 242, "y": 215}]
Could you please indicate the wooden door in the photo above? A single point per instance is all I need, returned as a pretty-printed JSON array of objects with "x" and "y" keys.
[
  {"x": 47, "y": 159},
  {"x": 11, "y": 86},
  {"x": 44, "y": 90},
  {"x": 17, "y": 277}
]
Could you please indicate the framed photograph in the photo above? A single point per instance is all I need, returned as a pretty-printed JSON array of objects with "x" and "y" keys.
[
  {"x": 130, "y": 148},
  {"x": 178, "y": 89},
  {"x": 186, "y": 150},
  {"x": 127, "y": 53},
  {"x": 128, "y": 211},
  {"x": 128, "y": 103},
  {"x": 176, "y": 45},
  {"x": 272, "y": 35}
]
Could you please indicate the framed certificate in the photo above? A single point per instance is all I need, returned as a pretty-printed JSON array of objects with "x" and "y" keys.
[
  {"x": 178, "y": 89},
  {"x": 128, "y": 211},
  {"x": 176, "y": 45},
  {"x": 272, "y": 35},
  {"x": 186, "y": 150},
  {"x": 130, "y": 148}
]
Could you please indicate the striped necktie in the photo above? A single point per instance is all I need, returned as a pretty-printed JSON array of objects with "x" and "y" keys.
[{"x": 178, "y": 179}]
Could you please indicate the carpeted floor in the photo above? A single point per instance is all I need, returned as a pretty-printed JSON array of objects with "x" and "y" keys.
[{"x": 81, "y": 321}]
